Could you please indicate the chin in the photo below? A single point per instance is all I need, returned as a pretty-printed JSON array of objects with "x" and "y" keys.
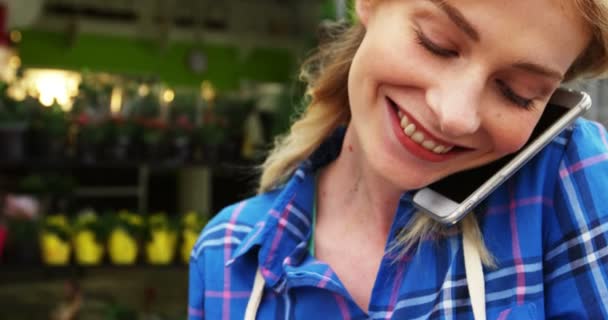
[{"x": 406, "y": 176}]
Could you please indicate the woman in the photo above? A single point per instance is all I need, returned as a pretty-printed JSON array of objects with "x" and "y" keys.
[{"x": 333, "y": 232}]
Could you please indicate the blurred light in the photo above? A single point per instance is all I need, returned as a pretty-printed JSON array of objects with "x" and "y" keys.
[
  {"x": 17, "y": 91},
  {"x": 46, "y": 100},
  {"x": 168, "y": 95},
  {"x": 15, "y": 36},
  {"x": 7, "y": 70},
  {"x": 14, "y": 62},
  {"x": 116, "y": 100},
  {"x": 143, "y": 90},
  {"x": 207, "y": 91},
  {"x": 53, "y": 86}
]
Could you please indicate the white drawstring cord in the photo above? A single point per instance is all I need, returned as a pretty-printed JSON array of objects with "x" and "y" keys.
[
  {"x": 256, "y": 296},
  {"x": 475, "y": 282}
]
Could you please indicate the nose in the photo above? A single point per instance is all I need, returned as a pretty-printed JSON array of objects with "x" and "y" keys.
[{"x": 456, "y": 104}]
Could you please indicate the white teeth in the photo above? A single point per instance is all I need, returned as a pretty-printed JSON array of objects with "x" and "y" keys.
[
  {"x": 429, "y": 144},
  {"x": 410, "y": 129},
  {"x": 418, "y": 137},
  {"x": 404, "y": 122},
  {"x": 439, "y": 149}
]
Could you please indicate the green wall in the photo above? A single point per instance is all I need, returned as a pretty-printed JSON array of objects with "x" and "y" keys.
[{"x": 226, "y": 66}]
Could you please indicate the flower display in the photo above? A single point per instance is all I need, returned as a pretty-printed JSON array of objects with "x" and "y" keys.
[
  {"x": 192, "y": 224},
  {"x": 55, "y": 240},
  {"x": 90, "y": 233},
  {"x": 124, "y": 237},
  {"x": 162, "y": 238}
]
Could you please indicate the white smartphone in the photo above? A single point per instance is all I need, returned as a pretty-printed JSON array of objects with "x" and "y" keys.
[{"x": 450, "y": 199}]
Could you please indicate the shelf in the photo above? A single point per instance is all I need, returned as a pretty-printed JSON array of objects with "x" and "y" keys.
[
  {"x": 39, "y": 272},
  {"x": 152, "y": 165},
  {"x": 123, "y": 191}
]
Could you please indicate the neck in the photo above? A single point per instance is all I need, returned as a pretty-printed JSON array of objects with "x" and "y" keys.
[{"x": 355, "y": 193}]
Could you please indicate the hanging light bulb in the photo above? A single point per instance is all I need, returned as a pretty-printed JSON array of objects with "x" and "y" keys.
[
  {"x": 168, "y": 95},
  {"x": 116, "y": 100},
  {"x": 143, "y": 90}
]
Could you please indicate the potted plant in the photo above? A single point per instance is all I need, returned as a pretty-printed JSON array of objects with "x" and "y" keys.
[
  {"x": 90, "y": 233},
  {"x": 21, "y": 221},
  {"x": 49, "y": 133},
  {"x": 192, "y": 224},
  {"x": 210, "y": 137},
  {"x": 161, "y": 239},
  {"x": 90, "y": 137},
  {"x": 120, "y": 132},
  {"x": 153, "y": 132},
  {"x": 13, "y": 125},
  {"x": 59, "y": 191},
  {"x": 183, "y": 112},
  {"x": 55, "y": 240},
  {"x": 124, "y": 237},
  {"x": 181, "y": 138},
  {"x": 146, "y": 111},
  {"x": 233, "y": 111}
]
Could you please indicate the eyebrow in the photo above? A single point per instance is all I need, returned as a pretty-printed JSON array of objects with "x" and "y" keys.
[
  {"x": 457, "y": 18},
  {"x": 461, "y": 22},
  {"x": 538, "y": 69}
]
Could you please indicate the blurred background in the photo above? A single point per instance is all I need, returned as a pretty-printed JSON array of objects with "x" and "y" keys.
[{"x": 124, "y": 126}]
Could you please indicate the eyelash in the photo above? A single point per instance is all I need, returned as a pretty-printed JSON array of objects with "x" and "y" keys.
[
  {"x": 433, "y": 48},
  {"x": 505, "y": 90},
  {"x": 510, "y": 95}
]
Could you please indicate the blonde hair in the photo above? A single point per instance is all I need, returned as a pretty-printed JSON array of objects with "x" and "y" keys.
[
  {"x": 326, "y": 74},
  {"x": 593, "y": 61}
]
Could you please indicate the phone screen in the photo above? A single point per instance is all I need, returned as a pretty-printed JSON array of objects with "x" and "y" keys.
[{"x": 457, "y": 187}]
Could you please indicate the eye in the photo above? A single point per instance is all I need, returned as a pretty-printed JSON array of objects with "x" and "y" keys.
[
  {"x": 513, "y": 97},
  {"x": 432, "y": 47}
]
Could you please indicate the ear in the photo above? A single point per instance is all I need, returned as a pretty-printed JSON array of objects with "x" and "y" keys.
[{"x": 363, "y": 8}]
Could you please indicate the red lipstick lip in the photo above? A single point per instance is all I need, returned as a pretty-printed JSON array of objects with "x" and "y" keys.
[{"x": 413, "y": 147}]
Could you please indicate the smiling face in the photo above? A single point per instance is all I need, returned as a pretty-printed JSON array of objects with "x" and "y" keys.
[{"x": 437, "y": 87}]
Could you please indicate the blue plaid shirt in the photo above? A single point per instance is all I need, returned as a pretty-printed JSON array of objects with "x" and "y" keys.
[{"x": 547, "y": 228}]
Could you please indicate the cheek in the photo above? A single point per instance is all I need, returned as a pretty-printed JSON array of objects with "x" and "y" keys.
[
  {"x": 510, "y": 135},
  {"x": 391, "y": 55}
]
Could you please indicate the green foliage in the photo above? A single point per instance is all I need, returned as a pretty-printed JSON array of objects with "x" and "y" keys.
[
  {"x": 131, "y": 222},
  {"x": 183, "y": 112},
  {"x": 152, "y": 131},
  {"x": 288, "y": 107},
  {"x": 32, "y": 184},
  {"x": 118, "y": 126},
  {"x": 160, "y": 221},
  {"x": 11, "y": 111},
  {"x": 235, "y": 112},
  {"x": 22, "y": 230},
  {"x": 101, "y": 226},
  {"x": 183, "y": 105},
  {"x": 193, "y": 221},
  {"x": 57, "y": 224},
  {"x": 146, "y": 107},
  {"x": 214, "y": 129},
  {"x": 119, "y": 312},
  {"x": 91, "y": 134},
  {"x": 52, "y": 121}
]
